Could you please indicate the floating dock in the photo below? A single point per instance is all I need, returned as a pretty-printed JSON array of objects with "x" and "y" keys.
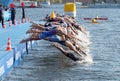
[{"x": 12, "y": 58}]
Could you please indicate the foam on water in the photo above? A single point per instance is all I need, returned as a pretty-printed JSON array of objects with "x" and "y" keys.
[{"x": 86, "y": 60}]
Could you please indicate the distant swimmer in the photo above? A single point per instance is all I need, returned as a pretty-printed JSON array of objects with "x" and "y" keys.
[{"x": 94, "y": 21}]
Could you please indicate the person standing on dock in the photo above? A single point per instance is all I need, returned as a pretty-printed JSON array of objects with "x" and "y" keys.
[
  {"x": 1, "y": 15},
  {"x": 23, "y": 10},
  {"x": 13, "y": 12}
]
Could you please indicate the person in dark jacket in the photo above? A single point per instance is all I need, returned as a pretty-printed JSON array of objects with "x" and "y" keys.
[
  {"x": 13, "y": 12},
  {"x": 23, "y": 10},
  {"x": 1, "y": 15}
]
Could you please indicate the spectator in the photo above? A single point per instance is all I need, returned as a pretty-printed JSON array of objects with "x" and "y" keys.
[
  {"x": 13, "y": 12},
  {"x": 23, "y": 10},
  {"x": 1, "y": 15}
]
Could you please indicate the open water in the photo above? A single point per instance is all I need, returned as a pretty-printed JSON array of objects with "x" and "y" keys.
[{"x": 46, "y": 63}]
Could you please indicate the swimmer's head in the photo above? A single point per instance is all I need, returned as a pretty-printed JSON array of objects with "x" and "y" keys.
[{"x": 94, "y": 21}]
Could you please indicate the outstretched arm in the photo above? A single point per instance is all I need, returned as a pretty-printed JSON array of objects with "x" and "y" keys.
[{"x": 34, "y": 36}]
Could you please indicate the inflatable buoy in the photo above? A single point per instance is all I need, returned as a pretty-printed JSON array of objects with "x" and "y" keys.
[
  {"x": 70, "y": 9},
  {"x": 52, "y": 15}
]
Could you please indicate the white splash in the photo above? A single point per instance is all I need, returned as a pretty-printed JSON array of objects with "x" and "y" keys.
[{"x": 86, "y": 60}]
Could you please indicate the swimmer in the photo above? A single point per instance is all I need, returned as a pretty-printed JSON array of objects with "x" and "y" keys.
[{"x": 66, "y": 53}]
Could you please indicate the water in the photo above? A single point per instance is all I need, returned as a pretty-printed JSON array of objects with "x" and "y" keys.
[{"x": 45, "y": 63}]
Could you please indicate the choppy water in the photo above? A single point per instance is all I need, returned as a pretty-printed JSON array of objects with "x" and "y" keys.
[{"x": 45, "y": 63}]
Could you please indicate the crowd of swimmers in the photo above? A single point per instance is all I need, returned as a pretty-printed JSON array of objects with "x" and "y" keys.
[{"x": 64, "y": 32}]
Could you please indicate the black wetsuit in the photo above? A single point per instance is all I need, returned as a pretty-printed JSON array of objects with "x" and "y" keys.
[{"x": 73, "y": 57}]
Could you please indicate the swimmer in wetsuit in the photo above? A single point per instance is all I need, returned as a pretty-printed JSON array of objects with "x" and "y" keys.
[{"x": 66, "y": 53}]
